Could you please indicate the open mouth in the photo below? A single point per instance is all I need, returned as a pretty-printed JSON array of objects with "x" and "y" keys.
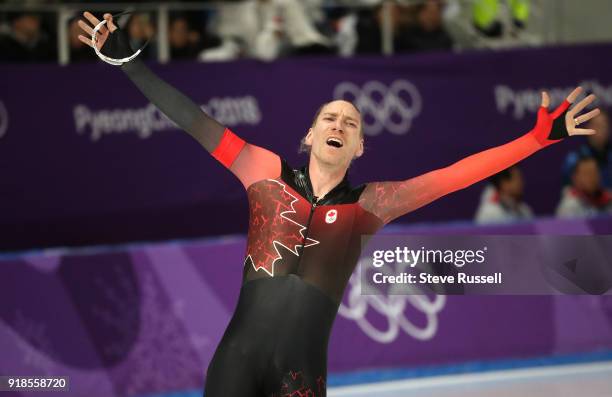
[{"x": 334, "y": 142}]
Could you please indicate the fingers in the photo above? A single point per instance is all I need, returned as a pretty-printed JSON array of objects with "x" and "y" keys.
[
  {"x": 86, "y": 28},
  {"x": 582, "y": 131},
  {"x": 94, "y": 21},
  {"x": 85, "y": 40},
  {"x": 109, "y": 22},
  {"x": 571, "y": 98},
  {"x": 582, "y": 104},
  {"x": 545, "y": 100},
  {"x": 572, "y": 123},
  {"x": 587, "y": 116}
]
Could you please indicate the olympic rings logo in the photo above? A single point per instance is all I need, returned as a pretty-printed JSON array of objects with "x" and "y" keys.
[
  {"x": 391, "y": 108},
  {"x": 392, "y": 307},
  {"x": 4, "y": 119}
]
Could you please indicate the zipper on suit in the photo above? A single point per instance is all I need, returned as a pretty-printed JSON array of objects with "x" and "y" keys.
[{"x": 312, "y": 210}]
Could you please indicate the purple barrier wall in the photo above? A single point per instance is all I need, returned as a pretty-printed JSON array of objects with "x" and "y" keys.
[
  {"x": 146, "y": 319},
  {"x": 85, "y": 159}
]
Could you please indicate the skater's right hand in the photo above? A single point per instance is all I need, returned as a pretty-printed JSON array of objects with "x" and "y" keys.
[{"x": 102, "y": 33}]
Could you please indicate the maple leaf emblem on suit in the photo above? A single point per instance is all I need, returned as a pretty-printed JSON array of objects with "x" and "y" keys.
[{"x": 273, "y": 225}]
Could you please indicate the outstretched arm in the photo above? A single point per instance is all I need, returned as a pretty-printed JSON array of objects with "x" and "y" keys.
[
  {"x": 176, "y": 106},
  {"x": 249, "y": 162},
  {"x": 389, "y": 200}
]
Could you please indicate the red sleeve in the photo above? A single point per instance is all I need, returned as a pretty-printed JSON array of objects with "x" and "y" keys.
[
  {"x": 389, "y": 200},
  {"x": 229, "y": 148},
  {"x": 248, "y": 162}
]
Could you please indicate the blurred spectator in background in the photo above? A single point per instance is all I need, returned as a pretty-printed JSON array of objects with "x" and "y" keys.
[
  {"x": 502, "y": 200},
  {"x": 266, "y": 29},
  {"x": 368, "y": 27},
  {"x": 597, "y": 146},
  {"x": 140, "y": 28},
  {"x": 27, "y": 41},
  {"x": 585, "y": 196},
  {"x": 486, "y": 18},
  {"x": 342, "y": 22},
  {"x": 426, "y": 31},
  {"x": 415, "y": 27},
  {"x": 497, "y": 24},
  {"x": 184, "y": 40}
]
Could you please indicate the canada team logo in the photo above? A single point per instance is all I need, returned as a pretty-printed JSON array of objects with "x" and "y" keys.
[
  {"x": 4, "y": 119},
  {"x": 383, "y": 107},
  {"x": 331, "y": 216}
]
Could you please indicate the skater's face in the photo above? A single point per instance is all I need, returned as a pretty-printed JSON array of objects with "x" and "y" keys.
[{"x": 336, "y": 137}]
